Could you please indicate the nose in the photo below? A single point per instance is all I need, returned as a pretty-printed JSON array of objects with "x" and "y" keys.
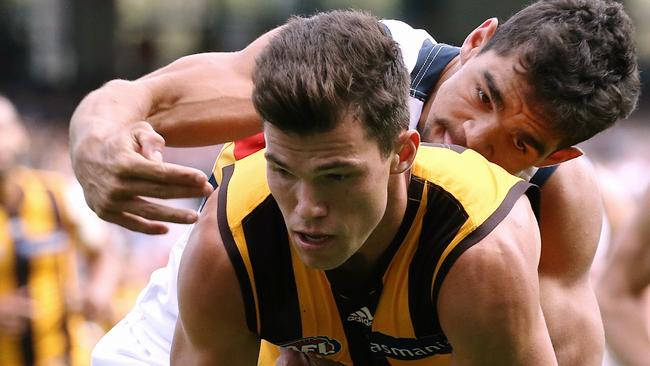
[
  {"x": 481, "y": 136},
  {"x": 308, "y": 205}
]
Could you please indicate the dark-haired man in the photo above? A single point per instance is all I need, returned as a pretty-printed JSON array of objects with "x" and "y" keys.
[
  {"x": 357, "y": 246},
  {"x": 521, "y": 94}
]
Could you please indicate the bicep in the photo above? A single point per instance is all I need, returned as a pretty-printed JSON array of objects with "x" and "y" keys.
[
  {"x": 211, "y": 328},
  {"x": 489, "y": 301}
]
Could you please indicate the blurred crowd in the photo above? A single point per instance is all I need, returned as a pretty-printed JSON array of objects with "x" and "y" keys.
[{"x": 66, "y": 276}]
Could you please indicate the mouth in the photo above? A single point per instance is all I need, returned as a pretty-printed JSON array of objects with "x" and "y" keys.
[{"x": 312, "y": 240}]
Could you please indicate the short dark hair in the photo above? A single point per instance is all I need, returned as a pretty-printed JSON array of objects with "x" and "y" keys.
[
  {"x": 580, "y": 62},
  {"x": 318, "y": 69}
]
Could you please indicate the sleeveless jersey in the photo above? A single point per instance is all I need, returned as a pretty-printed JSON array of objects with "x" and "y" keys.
[
  {"x": 456, "y": 198},
  {"x": 35, "y": 256}
]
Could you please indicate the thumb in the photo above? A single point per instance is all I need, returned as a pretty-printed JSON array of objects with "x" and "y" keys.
[{"x": 151, "y": 143}]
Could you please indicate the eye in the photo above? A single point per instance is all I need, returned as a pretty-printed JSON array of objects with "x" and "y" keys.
[
  {"x": 337, "y": 177},
  {"x": 483, "y": 97},
  {"x": 280, "y": 171}
]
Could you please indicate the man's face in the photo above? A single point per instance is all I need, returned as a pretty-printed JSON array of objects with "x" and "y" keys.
[
  {"x": 484, "y": 106},
  {"x": 331, "y": 188}
]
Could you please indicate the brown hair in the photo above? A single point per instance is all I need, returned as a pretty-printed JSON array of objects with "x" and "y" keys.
[
  {"x": 580, "y": 61},
  {"x": 318, "y": 69}
]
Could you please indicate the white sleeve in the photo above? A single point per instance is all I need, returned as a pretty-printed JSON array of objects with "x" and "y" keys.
[
  {"x": 409, "y": 39},
  {"x": 145, "y": 335}
]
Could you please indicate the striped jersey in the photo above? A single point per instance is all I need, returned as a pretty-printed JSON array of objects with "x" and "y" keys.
[
  {"x": 36, "y": 259},
  {"x": 456, "y": 198}
]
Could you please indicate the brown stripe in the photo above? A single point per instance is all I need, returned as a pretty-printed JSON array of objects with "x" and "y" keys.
[
  {"x": 444, "y": 217},
  {"x": 233, "y": 252},
  {"x": 479, "y": 233}
]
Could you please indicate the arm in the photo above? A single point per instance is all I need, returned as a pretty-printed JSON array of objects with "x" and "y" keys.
[
  {"x": 571, "y": 217},
  {"x": 489, "y": 302},
  {"x": 118, "y": 131},
  {"x": 623, "y": 291},
  {"x": 16, "y": 311},
  {"x": 211, "y": 328}
]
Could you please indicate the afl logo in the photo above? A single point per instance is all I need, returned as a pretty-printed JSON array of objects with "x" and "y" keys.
[{"x": 321, "y": 345}]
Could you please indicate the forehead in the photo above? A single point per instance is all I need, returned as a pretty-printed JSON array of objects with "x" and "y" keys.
[{"x": 348, "y": 140}]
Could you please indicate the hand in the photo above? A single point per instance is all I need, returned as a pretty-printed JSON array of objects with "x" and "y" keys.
[
  {"x": 294, "y": 358},
  {"x": 118, "y": 170},
  {"x": 15, "y": 313}
]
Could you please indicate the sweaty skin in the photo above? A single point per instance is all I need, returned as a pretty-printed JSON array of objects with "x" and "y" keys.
[{"x": 205, "y": 99}]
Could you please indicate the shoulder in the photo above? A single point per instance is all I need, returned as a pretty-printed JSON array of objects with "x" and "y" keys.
[
  {"x": 211, "y": 327},
  {"x": 482, "y": 188},
  {"x": 500, "y": 274},
  {"x": 491, "y": 266},
  {"x": 212, "y": 321}
]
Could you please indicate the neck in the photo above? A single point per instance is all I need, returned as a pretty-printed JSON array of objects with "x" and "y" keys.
[
  {"x": 449, "y": 70},
  {"x": 362, "y": 264}
]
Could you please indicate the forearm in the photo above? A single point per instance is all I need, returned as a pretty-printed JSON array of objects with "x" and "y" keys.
[
  {"x": 573, "y": 320},
  {"x": 215, "y": 107}
]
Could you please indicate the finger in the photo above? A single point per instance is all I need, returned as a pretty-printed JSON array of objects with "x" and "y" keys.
[
  {"x": 151, "y": 143},
  {"x": 128, "y": 189},
  {"x": 136, "y": 223},
  {"x": 163, "y": 172},
  {"x": 148, "y": 210}
]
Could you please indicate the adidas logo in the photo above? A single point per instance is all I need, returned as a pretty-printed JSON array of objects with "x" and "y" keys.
[{"x": 362, "y": 316}]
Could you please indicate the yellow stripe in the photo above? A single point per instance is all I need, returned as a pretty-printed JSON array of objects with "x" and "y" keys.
[
  {"x": 46, "y": 287},
  {"x": 461, "y": 175},
  {"x": 393, "y": 314},
  {"x": 226, "y": 157},
  {"x": 318, "y": 310},
  {"x": 246, "y": 191}
]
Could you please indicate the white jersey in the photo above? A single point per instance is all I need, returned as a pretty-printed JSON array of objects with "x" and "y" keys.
[
  {"x": 144, "y": 336},
  {"x": 425, "y": 60}
]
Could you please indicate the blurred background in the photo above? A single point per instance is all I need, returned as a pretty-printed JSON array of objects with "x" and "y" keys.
[{"x": 54, "y": 52}]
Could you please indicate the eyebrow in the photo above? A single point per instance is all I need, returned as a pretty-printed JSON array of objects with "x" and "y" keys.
[
  {"x": 338, "y": 164},
  {"x": 495, "y": 93}
]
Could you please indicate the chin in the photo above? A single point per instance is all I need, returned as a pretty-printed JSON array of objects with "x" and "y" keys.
[{"x": 320, "y": 263}]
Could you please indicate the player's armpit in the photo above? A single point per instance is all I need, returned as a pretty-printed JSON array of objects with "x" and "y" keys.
[
  {"x": 488, "y": 304},
  {"x": 211, "y": 328}
]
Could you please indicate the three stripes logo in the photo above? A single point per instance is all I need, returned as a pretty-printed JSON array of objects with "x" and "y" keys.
[{"x": 362, "y": 316}]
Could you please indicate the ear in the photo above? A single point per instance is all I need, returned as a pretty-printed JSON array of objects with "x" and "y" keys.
[
  {"x": 477, "y": 39},
  {"x": 409, "y": 142},
  {"x": 561, "y": 156}
]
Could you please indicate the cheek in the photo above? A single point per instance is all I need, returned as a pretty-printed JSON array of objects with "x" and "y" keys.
[{"x": 366, "y": 204}]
